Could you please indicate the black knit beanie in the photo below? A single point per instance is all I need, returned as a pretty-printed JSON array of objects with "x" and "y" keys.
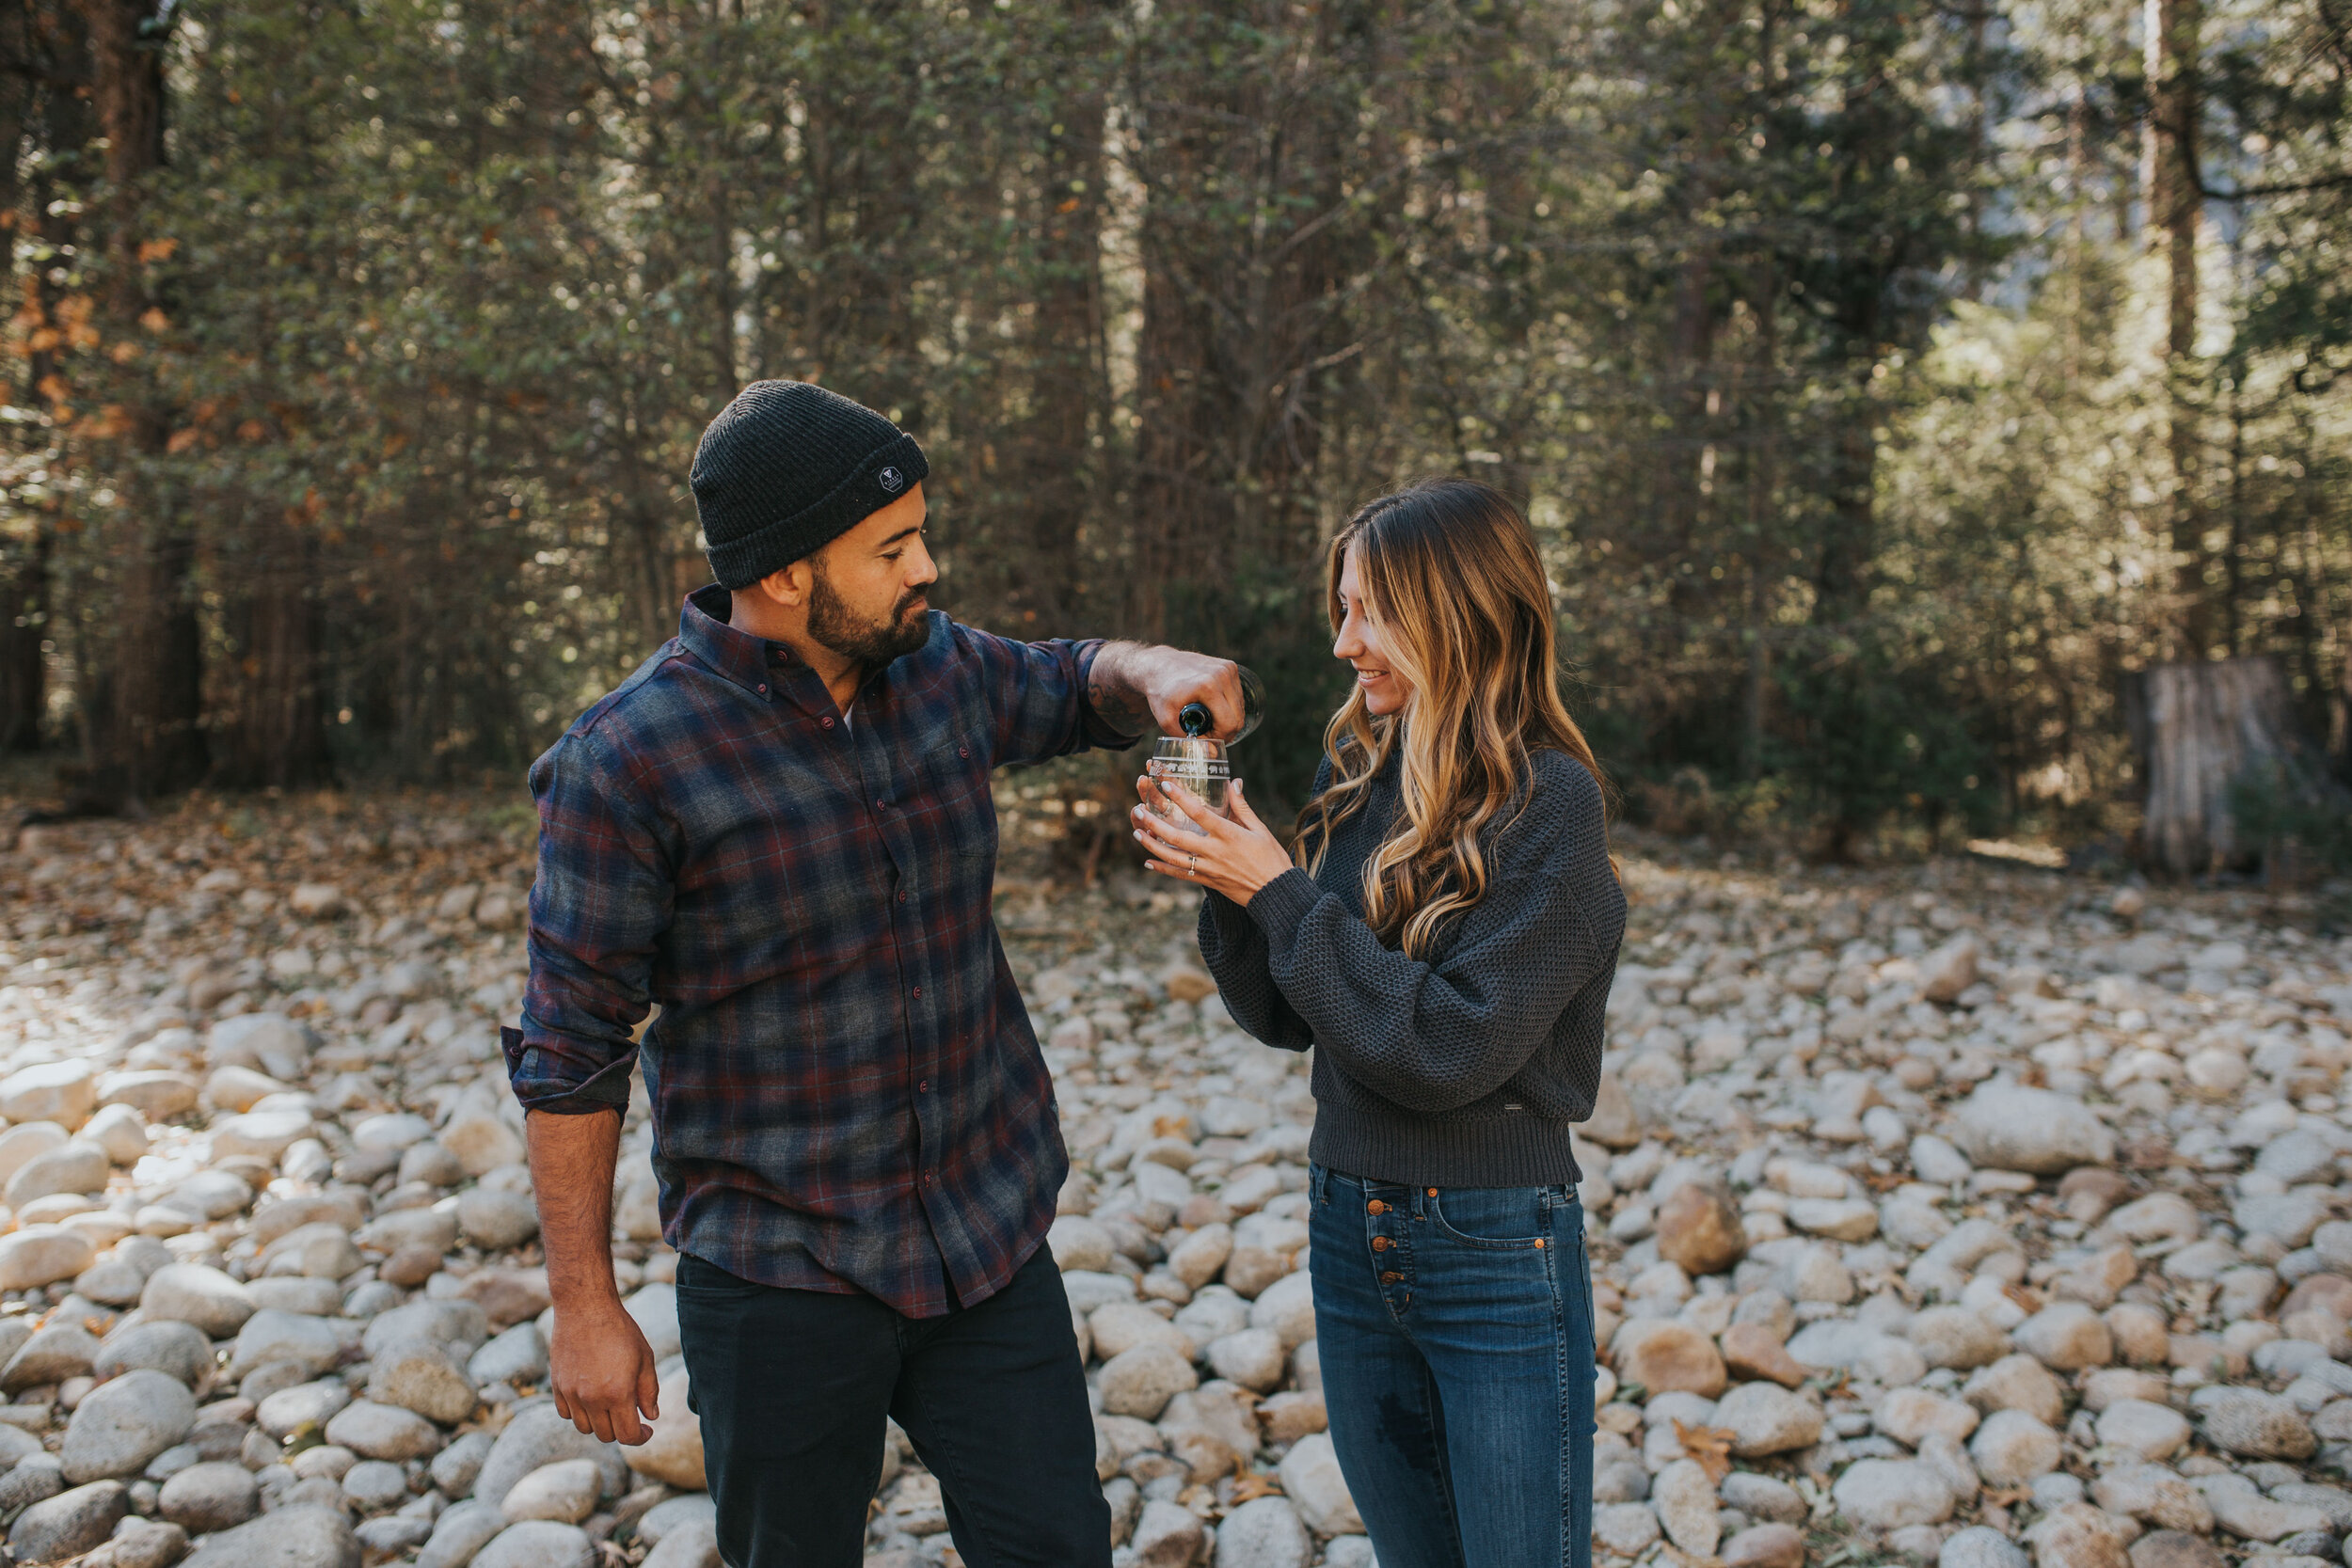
[{"x": 787, "y": 468}]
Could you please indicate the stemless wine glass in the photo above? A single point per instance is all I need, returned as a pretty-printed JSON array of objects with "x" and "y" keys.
[{"x": 1193, "y": 761}]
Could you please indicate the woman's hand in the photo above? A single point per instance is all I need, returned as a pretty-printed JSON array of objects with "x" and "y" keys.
[{"x": 1236, "y": 858}]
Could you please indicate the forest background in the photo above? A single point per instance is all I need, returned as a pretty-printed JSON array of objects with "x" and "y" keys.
[{"x": 1893, "y": 383}]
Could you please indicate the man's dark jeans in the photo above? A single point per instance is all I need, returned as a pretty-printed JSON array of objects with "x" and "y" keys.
[{"x": 792, "y": 1386}]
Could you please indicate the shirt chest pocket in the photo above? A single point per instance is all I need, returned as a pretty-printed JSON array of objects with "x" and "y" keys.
[{"x": 964, "y": 811}]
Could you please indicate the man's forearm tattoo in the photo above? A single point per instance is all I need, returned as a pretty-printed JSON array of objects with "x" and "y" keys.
[{"x": 1112, "y": 691}]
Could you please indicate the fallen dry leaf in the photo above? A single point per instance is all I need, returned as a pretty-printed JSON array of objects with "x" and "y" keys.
[{"x": 1709, "y": 1446}]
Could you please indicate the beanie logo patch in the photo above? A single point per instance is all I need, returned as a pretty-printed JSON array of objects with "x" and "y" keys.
[{"x": 892, "y": 480}]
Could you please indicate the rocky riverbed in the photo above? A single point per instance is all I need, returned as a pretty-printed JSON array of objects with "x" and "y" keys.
[{"x": 1950, "y": 1212}]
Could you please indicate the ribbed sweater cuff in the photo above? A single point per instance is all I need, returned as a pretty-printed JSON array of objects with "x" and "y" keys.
[{"x": 1281, "y": 905}]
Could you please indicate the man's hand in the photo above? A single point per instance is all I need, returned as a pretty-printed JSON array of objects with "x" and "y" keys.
[
  {"x": 602, "y": 1372},
  {"x": 1134, "y": 684},
  {"x": 599, "y": 1364}
]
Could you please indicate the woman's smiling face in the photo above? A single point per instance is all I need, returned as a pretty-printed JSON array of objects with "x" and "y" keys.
[{"x": 1358, "y": 642}]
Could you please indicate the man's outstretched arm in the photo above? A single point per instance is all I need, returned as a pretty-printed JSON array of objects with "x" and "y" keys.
[
  {"x": 600, "y": 1365},
  {"x": 1049, "y": 699}
]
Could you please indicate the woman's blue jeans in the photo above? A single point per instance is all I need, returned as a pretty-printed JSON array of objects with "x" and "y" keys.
[{"x": 1455, "y": 1328}]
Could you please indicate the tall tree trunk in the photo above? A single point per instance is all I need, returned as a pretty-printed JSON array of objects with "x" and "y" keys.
[
  {"x": 64, "y": 126},
  {"x": 2175, "y": 205},
  {"x": 1181, "y": 523},
  {"x": 667, "y": 565},
  {"x": 23, "y": 627},
  {"x": 862, "y": 155},
  {"x": 1694, "y": 400},
  {"x": 1056, "y": 466},
  {"x": 2339, "y": 720},
  {"x": 25, "y": 564},
  {"x": 1849, "y": 542},
  {"x": 275, "y": 734},
  {"x": 1182, "y": 527},
  {"x": 1246, "y": 247},
  {"x": 1763, "y": 541},
  {"x": 156, "y": 745}
]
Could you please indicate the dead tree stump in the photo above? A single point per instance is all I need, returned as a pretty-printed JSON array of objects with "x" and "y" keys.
[{"x": 2200, "y": 727}]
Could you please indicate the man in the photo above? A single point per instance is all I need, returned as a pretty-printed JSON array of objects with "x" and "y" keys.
[{"x": 779, "y": 830}]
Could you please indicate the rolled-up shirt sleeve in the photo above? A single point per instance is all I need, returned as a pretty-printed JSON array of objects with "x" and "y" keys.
[
  {"x": 1037, "y": 695},
  {"x": 598, "y": 908}
]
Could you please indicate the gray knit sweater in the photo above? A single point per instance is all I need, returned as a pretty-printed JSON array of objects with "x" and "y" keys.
[{"x": 1464, "y": 1068}]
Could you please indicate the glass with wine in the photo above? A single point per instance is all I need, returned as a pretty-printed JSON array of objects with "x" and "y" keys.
[{"x": 1198, "y": 761}]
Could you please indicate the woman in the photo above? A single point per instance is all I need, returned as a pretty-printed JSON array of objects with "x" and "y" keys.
[{"x": 1446, "y": 939}]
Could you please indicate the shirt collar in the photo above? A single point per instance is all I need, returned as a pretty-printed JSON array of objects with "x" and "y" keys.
[
  {"x": 753, "y": 662},
  {"x": 736, "y": 655}
]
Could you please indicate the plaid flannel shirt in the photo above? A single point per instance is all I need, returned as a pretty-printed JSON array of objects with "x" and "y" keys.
[{"x": 846, "y": 1091}]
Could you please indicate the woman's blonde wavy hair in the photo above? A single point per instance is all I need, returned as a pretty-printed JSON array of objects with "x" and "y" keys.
[{"x": 1449, "y": 571}]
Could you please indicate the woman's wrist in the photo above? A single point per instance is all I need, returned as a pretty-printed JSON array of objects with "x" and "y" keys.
[{"x": 1282, "y": 901}]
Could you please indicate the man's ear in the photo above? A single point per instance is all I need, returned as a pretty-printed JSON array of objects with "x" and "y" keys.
[{"x": 788, "y": 587}]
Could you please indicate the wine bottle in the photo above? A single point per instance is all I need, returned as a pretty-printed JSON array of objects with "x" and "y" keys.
[{"x": 1195, "y": 718}]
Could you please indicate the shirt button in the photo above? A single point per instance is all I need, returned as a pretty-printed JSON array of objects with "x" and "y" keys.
[
  {"x": 902, "y": 895},
  {"x": 930, "y": 1178},
  {"x": 763, "y": 692},
  {"x": 963, "y": 750},
  {"x": 918, "y": 991},
  {"x": 827, "y": 721},
  {"x": 924, "y": 1087}
]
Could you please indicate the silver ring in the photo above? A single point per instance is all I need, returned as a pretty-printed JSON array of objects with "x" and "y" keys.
[{"x": 1192, "y": 865}]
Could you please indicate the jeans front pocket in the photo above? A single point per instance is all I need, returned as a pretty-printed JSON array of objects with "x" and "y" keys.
[{"x": 1494, "y": 1216}]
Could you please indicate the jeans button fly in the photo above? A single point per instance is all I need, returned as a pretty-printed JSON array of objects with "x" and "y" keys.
[{"x": 1380, "y": 1243}]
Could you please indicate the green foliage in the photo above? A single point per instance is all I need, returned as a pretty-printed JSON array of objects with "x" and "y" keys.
[
  {"x": 2294, "y": 813},
  {"x": 1875, "y": 732},
  {"x": 1822, "y": 339}
]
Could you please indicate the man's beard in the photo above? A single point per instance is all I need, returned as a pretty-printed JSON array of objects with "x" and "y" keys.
[{"x": 831, "y": 623}]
